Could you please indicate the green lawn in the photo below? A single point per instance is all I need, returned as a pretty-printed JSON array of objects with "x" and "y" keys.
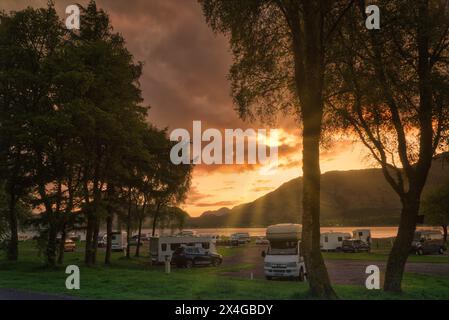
[
  {"x": 136, "y": 279},
  {"x": 380, "y": 256}
]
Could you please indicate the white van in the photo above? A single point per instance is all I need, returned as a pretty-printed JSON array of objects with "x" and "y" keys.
[
  {"x": 333, "y": 241},
  {"x": 119, "y": 241},
  {"x": 283, "y": 258},
  {"x": 240, "y": 237},
  {"x": 162, "y": 248}
]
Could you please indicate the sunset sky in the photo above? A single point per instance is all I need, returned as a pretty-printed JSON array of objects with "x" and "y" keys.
[{"x": 184, "y": 79}]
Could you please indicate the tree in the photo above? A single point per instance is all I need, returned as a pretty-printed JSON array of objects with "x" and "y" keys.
[
  {"x": 30, "y": 40},
  {"x": 391, "y": 92},
  {"x": 280, "y": 65},
  {"x": 435, "y": 208}
]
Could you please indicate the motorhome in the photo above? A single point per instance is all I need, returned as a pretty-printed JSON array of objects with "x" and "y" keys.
[
  {"x": 163, "y": 247},
  {"x": 187, "y": 233},
  {"x": 240, "y": 237},
  {"x": 362, "y": 234},
  {"x": 332, "y": 241},
  {"x": 119, "y": 241},
  {"x": 283, "y": 258}
]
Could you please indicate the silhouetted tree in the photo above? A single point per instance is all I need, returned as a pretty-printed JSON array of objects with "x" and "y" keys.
[
  {"x": 392, "y": 92},
  {"x": 280, "y": 63}
]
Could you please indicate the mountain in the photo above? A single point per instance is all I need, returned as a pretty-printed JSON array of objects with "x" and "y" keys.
[
  {"x": 356, "y": 197},
  {"x": 216, "y": 213}
]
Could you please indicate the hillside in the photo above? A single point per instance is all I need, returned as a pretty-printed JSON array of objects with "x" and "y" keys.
[{"x": 357, "y": 197}]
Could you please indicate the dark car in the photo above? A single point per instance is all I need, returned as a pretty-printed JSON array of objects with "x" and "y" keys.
[
  {"x": 187, "y": 257},
  {"x": 428, "y": 242},
  {"x": 355, "y": 246}
]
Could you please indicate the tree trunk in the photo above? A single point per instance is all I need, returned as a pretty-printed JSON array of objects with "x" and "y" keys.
[
  {"x": 107, "y": 258},
  {"x": 317, "y": 275},
  {"x": 128, "y": 227},
  {"x": 95, "y": 240},
  {"x": 402, "y": 245},
  {"x": 308, "y": 53},
  {"x": 51, "y": 245},
  {"x": 13, "y": 245},
  {"x": 89, "y": 235},
  {"x": 156, "y": 214},
  {"x": 138, "y": 237},
  {"x": 109, "y": 220},
  {"x": 61, "y": 244},
  {"x": 444, "y": 226}
]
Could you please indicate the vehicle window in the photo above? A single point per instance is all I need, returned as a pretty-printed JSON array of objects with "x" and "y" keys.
[{"x": 164, "y": 247}]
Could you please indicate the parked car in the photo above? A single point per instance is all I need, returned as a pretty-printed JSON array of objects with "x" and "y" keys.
[
  {"x": 188, "y": 257},
  {"x": 355, "y": 246},
  {"x": 69, "y": 245},
  {"x": 262, "y": 241},
  {"x": 428, "y": 242}
]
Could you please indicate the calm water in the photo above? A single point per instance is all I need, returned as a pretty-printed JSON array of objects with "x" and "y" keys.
[{"x": 376, "y": 232}]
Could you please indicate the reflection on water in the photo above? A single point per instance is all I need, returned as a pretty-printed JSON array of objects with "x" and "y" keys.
[{"x": 376, "y": 232}]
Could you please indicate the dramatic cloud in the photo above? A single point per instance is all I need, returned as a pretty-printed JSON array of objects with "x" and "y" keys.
[{"x": 185, "y": 79}]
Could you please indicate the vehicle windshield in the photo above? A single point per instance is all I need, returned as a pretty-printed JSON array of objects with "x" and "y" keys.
[{"x": 283, "y": 247}]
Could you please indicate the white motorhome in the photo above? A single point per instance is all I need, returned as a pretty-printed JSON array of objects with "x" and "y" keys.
[
  {"x": 163, "y": 247},
  {"x": 332, "y": 241},
  {"x": 119, "y": 241},
  {"x": 284, "y": 258},
  {"x": 362, "y": 234},
  {"x": 241, "y": 237}
]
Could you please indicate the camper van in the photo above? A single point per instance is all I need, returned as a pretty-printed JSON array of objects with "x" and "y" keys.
[
  {"x": 332, "y": 241},
  {"x": 163, "y": 247},
  {"x": 362, "y": 234},
  {"x": 240, "y": 237},
  {"x": 119, "y": 241},
  {"x": 283, "y": 258}
]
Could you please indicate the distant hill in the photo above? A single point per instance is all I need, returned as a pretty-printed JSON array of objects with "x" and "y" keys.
[
  {"x": 216, "y": 213},
  {"x": 356, "y": 197}
]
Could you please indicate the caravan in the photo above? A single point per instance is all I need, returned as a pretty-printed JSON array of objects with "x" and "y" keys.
[
  {"x": 119, "y": 241},
  {"x": 333, "y": 241},
  {"x": 162, "y": 248},
  {"x": 284, "y": 258},
  {"x": 362, "y": 234}
]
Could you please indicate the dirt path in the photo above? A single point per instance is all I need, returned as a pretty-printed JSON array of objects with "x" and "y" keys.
[{"x": 340, "y": 271}]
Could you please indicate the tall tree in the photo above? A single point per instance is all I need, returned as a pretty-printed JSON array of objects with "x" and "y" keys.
[
  {"x": 30, "y": 41},
  {"x": 393, "y": 94},
  {"x": 280, "y": 64}
]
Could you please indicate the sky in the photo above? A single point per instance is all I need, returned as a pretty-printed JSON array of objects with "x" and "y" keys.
[{"x": 185, "y": 79}]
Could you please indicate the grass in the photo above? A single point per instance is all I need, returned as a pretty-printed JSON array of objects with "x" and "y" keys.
[
  {"x": 380, "y": 256},
  {"x": 136, "y": 279}
]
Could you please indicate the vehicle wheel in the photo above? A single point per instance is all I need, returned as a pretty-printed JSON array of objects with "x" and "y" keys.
[
  {"x": 419, "y": 252},
  {"x": 189, "y": 264},
  {"x": 301, "y": 275},
  {"x": 215, "y": 262},
  {"x": 268, "y": 277}
]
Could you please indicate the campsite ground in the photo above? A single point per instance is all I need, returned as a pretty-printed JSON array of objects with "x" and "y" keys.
[{"x": 136, "y": 279}]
